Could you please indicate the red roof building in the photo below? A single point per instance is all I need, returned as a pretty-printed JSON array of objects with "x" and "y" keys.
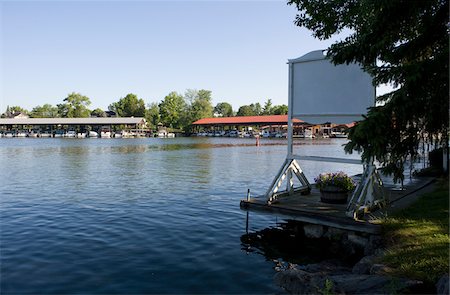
[{"x": 247, "y": 120}]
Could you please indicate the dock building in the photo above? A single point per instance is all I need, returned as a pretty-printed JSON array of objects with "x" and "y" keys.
[{"x": 53, "y": 126}]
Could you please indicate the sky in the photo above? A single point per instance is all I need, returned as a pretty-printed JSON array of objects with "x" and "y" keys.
[{"x": 107, "y": 49}]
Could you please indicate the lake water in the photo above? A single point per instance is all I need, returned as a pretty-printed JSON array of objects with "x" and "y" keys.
[{"x": 151, "y": 215}]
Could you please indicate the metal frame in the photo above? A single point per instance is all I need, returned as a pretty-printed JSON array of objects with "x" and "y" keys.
[
  {"x": 368, "y": 195},
  {"x": 290, "y": 166}
]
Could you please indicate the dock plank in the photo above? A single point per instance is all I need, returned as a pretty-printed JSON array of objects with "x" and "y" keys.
[{"x": 309, "y": 208}]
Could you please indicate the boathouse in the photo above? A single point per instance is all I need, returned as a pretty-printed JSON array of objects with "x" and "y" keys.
[
  {"x": 235, "y": 123},
  {"x": 52, "y": 124}
]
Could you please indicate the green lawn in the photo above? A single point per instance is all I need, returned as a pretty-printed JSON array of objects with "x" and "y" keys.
[{"x": 418, "y": 237}]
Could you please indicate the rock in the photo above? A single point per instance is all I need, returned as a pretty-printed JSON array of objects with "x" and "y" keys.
[
  {"x": 313, "y": 231},
  {"x": 327, "y": 267},
  {"x": 369, "y": 284},
  {"x": 364, "y": 265},
  {"x": 442, "y": 285},
  {"x": 358, "y": 240},
  {"x": 375, "y": 243},
  {"x": 380, "y": 269},
  {"x": 295, "y": 281},
  {"x": 334, "y": 234}
]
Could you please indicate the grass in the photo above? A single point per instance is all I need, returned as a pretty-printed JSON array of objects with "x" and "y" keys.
[{"x": 417, "y": 238}]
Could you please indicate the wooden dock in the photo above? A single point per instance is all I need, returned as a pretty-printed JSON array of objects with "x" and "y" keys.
[{"x": 309, "y": 208}]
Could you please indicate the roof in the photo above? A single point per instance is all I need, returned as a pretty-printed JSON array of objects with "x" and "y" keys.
[
  {"x": 72, "y": 121},
  {"x": 273, "y": 119},
  {"x": 310, "y": 56}
]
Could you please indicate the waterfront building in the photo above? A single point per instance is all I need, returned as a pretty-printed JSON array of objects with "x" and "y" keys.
[{"x": 57, "y": 125}]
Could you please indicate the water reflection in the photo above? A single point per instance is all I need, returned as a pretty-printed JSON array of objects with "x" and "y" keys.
[
  {"x": 286, "y": 243},
  {"x": 136, "y": 216}
]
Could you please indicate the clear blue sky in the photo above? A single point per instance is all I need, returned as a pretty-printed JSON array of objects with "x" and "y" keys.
[{"x": 106, "y": 49}]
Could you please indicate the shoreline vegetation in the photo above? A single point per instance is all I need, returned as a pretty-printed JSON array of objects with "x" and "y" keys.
[
  {"x": 417, "y": 237},
  {"x": 175, "y": 111},
  {"x": 410, "y": 256}
]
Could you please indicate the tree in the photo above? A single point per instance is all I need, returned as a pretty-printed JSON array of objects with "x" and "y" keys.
[
  {"x": 129, "y": 106},
  {"x": 268, "y": 108},
  {"x": 402, "y": 43},
  {"x": 172, "y": 110},
  {"x": 246, "y": 110},
  {"x": 45, "y": 111},
  {"x": 152, "y": 114},
  {"x": 75, "y": 106},
  {"x": 98, "y": 113},
  {"x": 280, "y": 110},
  {"x": 12, "y": 110},
  {"x": 223, "y": 109},
  {"x": 257, "y": 110},
  {"x": 201, "y": 106}
]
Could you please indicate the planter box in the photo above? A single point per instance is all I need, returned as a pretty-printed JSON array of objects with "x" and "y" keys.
[{"x": 333, "y": 195}]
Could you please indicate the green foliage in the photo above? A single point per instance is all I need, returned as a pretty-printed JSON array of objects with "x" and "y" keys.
[
  {"x": 152, "y": 114},
  {"x": 245, "y": 110},
  {"x": 267, "y": 110},
  {"x": 328, "y": 288},
  {"x": 409, "y": 41},
  {"x": 224, "y": 109},
  {"x": 280, "y": 110},
  {"x": 98, "y": 113},
  {"x": 75, "y": 106},
  {"x": 14, "y": 109},
  {"x": 201, "y": 106},
  {"x": 253, "y": 109},
  {"x": 45, "y": 111},
  {"x": 418, "y": 237},
  {"x": 172, "y": 110},
  {"x": 339, "y": 179},
  {"x": 129, "y": 106}
]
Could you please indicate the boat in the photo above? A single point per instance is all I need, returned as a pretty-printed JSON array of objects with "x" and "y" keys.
[
  {"x": 21, "y": 134},
  {"x": 59, "y": 133},
  {"x": 45, "y": 134},
  {"x": 70, "y": 134},
  {"x": 118, "y": 135},
  {"x": 170, "y": 135},
  {"x": 34, "y": 134},
  {"x": 93, "y": 134},
  {"x": 9, "y": 135},
  {"x": 338, "y": 135},
  {"x": 81, "y": 135},
  {"x": 308, "y": 133},
  {"x": 105, "y": 134}
]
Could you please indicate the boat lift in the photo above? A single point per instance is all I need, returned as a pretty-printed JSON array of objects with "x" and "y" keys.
[{"x": 319, "y": 92}]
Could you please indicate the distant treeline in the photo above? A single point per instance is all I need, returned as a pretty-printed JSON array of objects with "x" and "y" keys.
[{"x": 175, "y": 110}]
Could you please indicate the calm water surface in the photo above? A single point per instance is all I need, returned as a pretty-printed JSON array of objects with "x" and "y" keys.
[{"x": 139, "y": 215}]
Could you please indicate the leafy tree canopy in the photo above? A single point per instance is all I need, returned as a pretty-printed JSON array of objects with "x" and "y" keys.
[
  {"x": 253, "y": 109},
  {"x": 223, "y": 109},
  {"x": 268, "y": 108},
  {"x": 12, "y": 110},
  {"x": 75, "y": 106},
  {"x": 98, "y": 113},
  {"x": 403, "y": 43},
  {"x": 172, "y": 109},
  {"x": 129, "y": 106},
  {"x": 152, "y": 114},
  {"x": 245, "y": 110},
  {"x": 281, "y": 109},
  {"x": 45, "y": 111},
  {"x": 201, "y": 106}
]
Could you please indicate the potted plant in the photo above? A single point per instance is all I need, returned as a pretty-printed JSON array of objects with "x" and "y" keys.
[{"x": 334, "y": 187}]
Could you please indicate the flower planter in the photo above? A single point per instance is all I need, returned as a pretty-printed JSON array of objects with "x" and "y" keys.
[{"x": 333, "y": 195}]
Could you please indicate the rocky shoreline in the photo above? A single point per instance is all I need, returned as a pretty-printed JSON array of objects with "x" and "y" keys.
[{"x": 351, "y": 266}]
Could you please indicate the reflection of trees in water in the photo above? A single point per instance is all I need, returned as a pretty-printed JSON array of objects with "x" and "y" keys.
[{"x": 288, "y": 243}]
